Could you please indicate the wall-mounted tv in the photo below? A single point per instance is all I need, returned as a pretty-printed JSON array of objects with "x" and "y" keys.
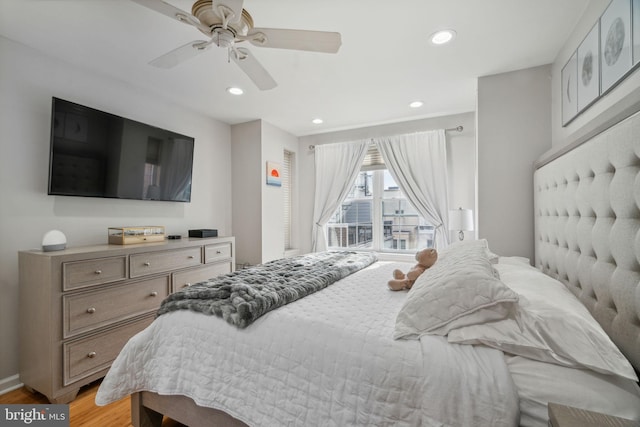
[{"x": 98, "y": 154}]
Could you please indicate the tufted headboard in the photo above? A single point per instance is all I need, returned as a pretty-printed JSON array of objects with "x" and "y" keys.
[{"x": 587, "y": 228}]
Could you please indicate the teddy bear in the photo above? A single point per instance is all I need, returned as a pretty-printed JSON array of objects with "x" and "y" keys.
[{"x": 426, "y": 258}]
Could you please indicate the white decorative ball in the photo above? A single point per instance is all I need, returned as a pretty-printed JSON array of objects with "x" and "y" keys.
[{"x": 54, "y": 240}]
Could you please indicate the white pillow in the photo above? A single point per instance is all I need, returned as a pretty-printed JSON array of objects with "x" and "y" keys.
[
  {"x": 460, "y": 289},
  {"x": 462, "y": 244},
  {"x": 539, "y": 383},
  {"x": 552, "y": 326}
]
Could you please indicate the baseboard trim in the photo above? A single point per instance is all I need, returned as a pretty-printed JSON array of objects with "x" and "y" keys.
[
  {"x": 9, "y": 384},
  {"x": 291, "y": 252}
]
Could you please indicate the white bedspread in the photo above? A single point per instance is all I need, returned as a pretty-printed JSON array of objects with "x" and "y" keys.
[{"x": 326, "y": 360}]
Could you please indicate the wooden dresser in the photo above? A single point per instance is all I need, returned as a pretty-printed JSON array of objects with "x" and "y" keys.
[{"x": 79, "y": 306}]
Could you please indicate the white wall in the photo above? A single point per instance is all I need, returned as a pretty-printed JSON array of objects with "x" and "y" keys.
[
  {"x": 28, "y": 80},
  {"x": 460, "y": 154},
  {"x": 258, "y": 207},
  {"x": 514, "y": 129},
  {"x": 274, "y": 142},
  {"x": 246, "y": 157},
  {"x": 607, "y": 107}
]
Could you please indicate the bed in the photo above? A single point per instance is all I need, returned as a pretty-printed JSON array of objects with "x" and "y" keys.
[{"x": 480, "y": 339}]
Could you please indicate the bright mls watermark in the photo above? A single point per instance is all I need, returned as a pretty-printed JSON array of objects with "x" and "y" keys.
[{"x": 34, "y": 415}]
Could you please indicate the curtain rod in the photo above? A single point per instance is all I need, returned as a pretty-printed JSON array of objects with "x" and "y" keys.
[{"x": 456, "y": 129}]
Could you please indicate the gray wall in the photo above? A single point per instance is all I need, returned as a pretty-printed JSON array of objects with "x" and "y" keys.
[
  {"x": 28, "y": 80},
  {"x": 514, "y": 129},
  {"x": 258, "y": 223},
  {"x": 246, "y": 155}
]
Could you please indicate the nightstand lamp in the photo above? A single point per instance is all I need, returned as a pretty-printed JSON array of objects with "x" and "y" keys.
[{"x": 461, "y": 220}]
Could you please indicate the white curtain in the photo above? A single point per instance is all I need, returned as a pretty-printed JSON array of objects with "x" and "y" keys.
[
  {"x": 418, "y": 163},
  {"x": 337, "y": 166}
]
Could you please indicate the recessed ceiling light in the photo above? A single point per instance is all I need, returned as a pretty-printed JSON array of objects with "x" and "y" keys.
[
  {"x": 317, "y": 121},
  {"x": 235, "y": 91},
  {"x": 416, "y": 104},
  {"x": 442, "y": 36}
]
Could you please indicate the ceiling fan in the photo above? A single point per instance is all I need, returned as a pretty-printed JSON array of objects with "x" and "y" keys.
[{"x": 227, "y": 24}]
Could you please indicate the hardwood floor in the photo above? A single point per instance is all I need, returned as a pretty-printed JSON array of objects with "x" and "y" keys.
[{"x": 83, "y": 412}]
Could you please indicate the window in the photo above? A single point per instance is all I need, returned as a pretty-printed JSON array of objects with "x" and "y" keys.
[
  {"x": 376, "y": 214},
  {"x": 287, "y": 190}
]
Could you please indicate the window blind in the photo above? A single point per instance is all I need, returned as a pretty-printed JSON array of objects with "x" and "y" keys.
[
  {"x": 287, "y": 167},
  {"x": 373, "y": 159}
]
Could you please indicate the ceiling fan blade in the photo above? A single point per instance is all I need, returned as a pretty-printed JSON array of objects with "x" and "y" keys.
[
  {"x": 181, "y": 54},
  {"x": 234, "y": 6},
  {"x": 253, "y": 69},
  {"x": 173, "y": 12},
  {"x": 315, "y": 41}
]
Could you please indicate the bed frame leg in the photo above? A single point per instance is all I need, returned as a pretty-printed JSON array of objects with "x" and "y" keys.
[{"x": 142, "y": 416}]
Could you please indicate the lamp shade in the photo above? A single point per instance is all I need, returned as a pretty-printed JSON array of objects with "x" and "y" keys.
[
  {"x": 54, "y": 240},
  {"x": 461, "y": 219}
]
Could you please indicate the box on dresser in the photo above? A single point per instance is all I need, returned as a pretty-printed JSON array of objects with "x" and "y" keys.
[
  {"x": 132, "y": 235},
  {"x": 203, "y": 232},
  {"x": 79, "y": 306}
]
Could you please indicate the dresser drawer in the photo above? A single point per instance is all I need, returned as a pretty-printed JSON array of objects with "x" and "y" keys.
[
  {"x": 185, "y": 279},
  {"x": 88, "y": 356},
  {"x": 217, "y": 252},
  {"x": 93, "y": 272},
  {"x": 89, "y": 310},
  {"x": 159, "y": 262}
]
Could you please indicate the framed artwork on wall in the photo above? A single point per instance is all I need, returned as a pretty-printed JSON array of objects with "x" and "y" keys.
[
  {"x": 636, "y": 31},
  {"x": 273, "y": 174},
  {"x": 588, "y": 78},
  {"x": 570, "y": 89},
  {"x": 615, "y": 43}
]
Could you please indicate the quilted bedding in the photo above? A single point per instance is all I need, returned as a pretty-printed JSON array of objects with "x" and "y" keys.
[
  {"x": 327, "y": 359},
  {"x": 242, "y": 296}
]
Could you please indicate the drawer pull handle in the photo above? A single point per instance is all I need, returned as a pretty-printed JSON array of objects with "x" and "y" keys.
[
  {"x": 98, "y": 271},
  {"x": 147, "y": 264},
  {"x": 218, "y": 252},
  {"x": 91, "y": 355},
  {"x": 186, "y": 285},
  {"x": 153, "y": 294},
  {"x": 191, "y": 257},
  {"x": 91, "y": 310}
]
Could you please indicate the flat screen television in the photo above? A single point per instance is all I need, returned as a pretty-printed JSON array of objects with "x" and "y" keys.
[{"x": 98, "y": 154}]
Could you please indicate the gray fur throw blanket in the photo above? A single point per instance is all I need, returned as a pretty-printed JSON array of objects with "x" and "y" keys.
[{"x": 243, "y": 296}]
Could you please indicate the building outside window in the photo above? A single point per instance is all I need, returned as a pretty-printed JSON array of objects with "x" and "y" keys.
[{"x": 376, "y": 215}]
